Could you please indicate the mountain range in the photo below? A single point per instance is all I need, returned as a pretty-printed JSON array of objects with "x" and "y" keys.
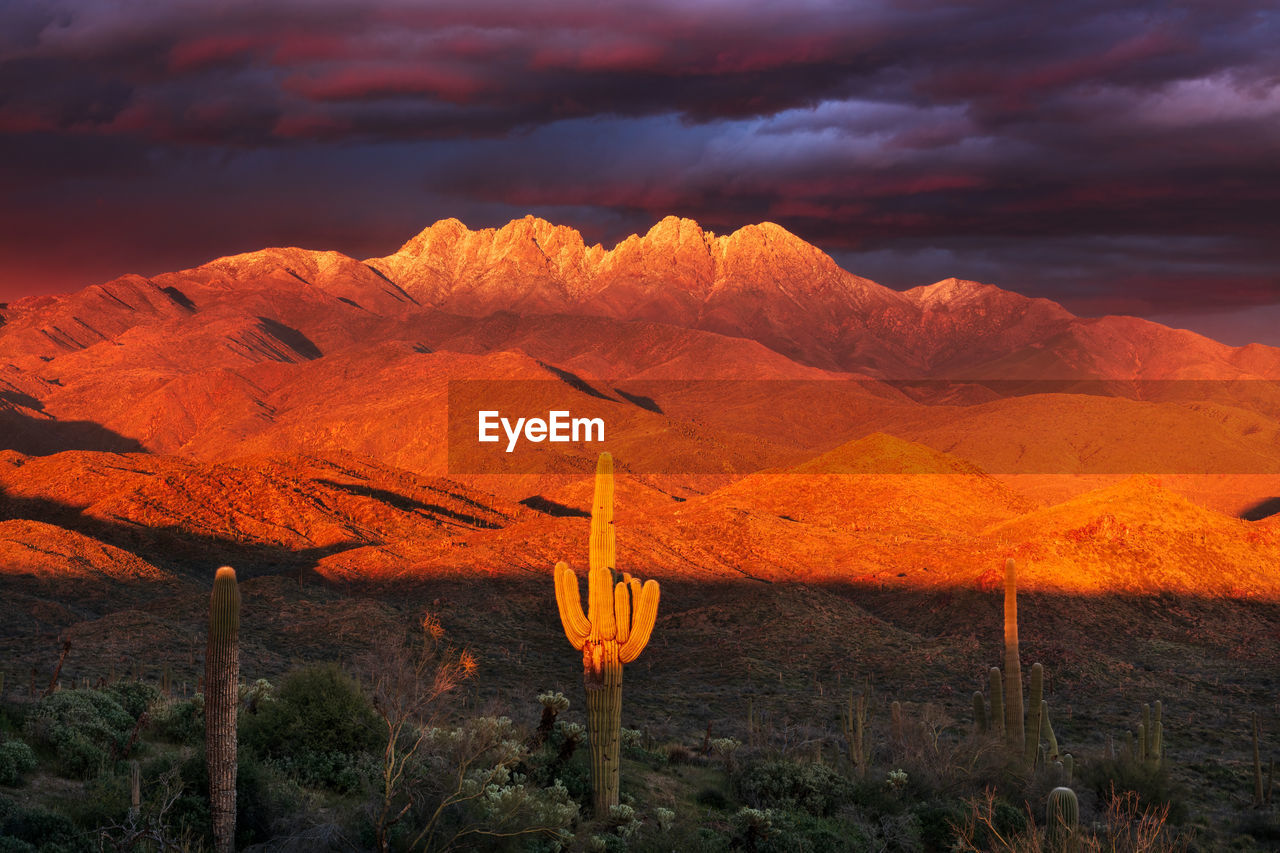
[{"x": 288, "y": 409}]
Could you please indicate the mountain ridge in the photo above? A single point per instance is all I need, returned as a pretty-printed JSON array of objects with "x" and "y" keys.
[{"x": 760, "y": 282}]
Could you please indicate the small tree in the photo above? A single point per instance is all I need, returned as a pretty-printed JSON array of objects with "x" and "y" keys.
[{"x": 407, "y": 677}]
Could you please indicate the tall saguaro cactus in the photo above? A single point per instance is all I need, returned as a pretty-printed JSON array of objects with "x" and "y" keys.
[
  {"x": 221, "y": 685},
  {"x": 613, "y": 631},
  {"x": 1012, "y": 667}
]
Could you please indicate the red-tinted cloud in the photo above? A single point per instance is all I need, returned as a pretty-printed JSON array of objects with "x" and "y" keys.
[{"x": 985, "y": 133}]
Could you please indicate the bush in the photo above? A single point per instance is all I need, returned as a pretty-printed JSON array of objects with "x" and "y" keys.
[
  {"x": 781, "y": 831},
  {"x": 134, "y": 696},
  {"x": 317, "y": 728},
  {"x": 16, "y": 760},
  {"x": 181, "y": 722},
  {"x": 937, "y": 823},
  {"x": 712, "y": 798},
  {"x": 780, "y": 784},
  {"x": 38, "y": 831},
  {"x": 83, "y": 728},
  {"x": 1111, "y": 778}
]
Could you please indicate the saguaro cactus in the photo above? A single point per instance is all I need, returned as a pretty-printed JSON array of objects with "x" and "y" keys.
[
  {"x": 221, "y": 685},
  {"x": 854, "y": 724},
  {"x": 1034, "y": 714},
  {"x": 613, "y": 631},
  {"x": 1012, "y": 666},
  {"x": 1258, "y": 797},
  {"x": 1062, "y": 818},
  {"x": 979, "y": 713}
]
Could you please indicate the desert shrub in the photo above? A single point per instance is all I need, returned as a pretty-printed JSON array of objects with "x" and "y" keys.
[
  {"x": 83, "y": 728},
  {"x": 462, "y": 784},
  {"x": 896, "y": 833},
  {"x": 16, "y": 760},
  {"x": 801, "y": 831},
  {"x": 34, "y": 830},
  {"x": 180, "y": 722},
  {"x": 563, "y": 758},
  {"x": 783, "y": 831},
  {"x": 712, "y": 798},
  {"x": 782, "y": 784},
  {"x": 937, "y": 821},
  {"x": 134, "y": 696},
  {"x": 661, "y": 832},
  {"x": 11, "y": 718},
  {"x": 1126, "y": 826},
  {"x": 676, "y": 753},
  {"x": 1150, "y": 783},
  {"x": 103, "y": 801},
  {"x": 1262, "y": 827},
  {"x": 316, "y": 729},
  {"x": 343, "y": 772}
]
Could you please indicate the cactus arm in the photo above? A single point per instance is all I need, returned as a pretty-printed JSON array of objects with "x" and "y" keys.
[
  {"x": 602, "y": 559},
  {"x": 641, "y": 623},
  {"x": 576, "y": 626},
  {"x": 600, "y": 606},
  {"x": 1046, "y": 726},
  {"x": 622, "y": 611},
  {"x": 997, "y": 701}
]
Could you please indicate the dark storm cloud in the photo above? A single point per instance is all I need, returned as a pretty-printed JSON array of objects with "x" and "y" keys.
[
  {"x": 1103, "y": 154},
  {"x": 381, "y": 69}
]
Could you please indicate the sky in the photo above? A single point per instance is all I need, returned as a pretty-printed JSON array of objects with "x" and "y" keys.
[{"x": 1118, "y": 157}]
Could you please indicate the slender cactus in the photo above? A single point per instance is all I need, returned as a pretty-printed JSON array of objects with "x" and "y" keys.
[
  {"x": 997, "y": 701},
  {"x": 1047, "y": 731},
  {"x": 1034, "y": 713},
  {"x": 1157, "y": 735},
  {"x": 898, "y": 729},
  {"x": 1012, "y": 666},
  {"x": 135, "y": 790},
  {"x": 222, "y": 680},
  {"x": 613, "y": 631},
  {"x": 979, "y": 713},
  {"x": 1146, "y": 732},
  {"x": 1068, "y": 767},
  {"x": 1258, "y": 797}
]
